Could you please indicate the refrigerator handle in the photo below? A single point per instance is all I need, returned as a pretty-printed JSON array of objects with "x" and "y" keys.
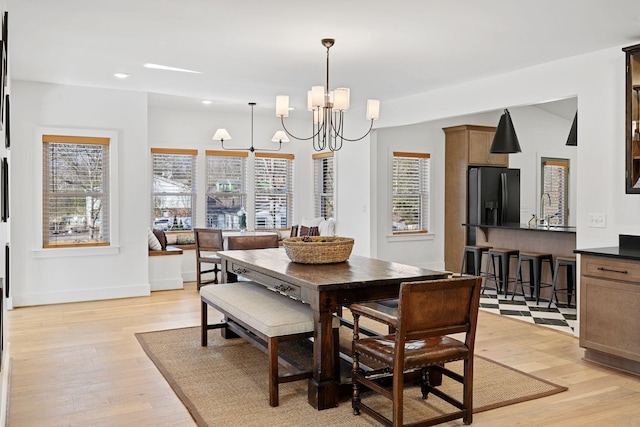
[{"x": 504, "y": 197}]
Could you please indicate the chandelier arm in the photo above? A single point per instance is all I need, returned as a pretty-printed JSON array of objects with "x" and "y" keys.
[
  {"x": 269, "y": 149},
  {"x": 295, "y": 137},
  {"x": 362, "y": 137}
]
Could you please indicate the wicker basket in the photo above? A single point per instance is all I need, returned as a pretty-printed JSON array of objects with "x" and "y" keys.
[{"x": 320, "y": 250}]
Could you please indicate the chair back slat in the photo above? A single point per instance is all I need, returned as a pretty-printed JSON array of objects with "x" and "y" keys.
[
  {"x": 208, "y": 240},
  {"x": 252, "y": 242}
]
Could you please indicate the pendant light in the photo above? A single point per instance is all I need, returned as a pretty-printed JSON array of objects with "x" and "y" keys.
[
  {"x": 505, "y": 139},
  {"x": 572, "y": 140}
]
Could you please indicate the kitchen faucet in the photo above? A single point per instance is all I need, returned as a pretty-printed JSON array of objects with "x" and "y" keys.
[{"x": 544, "y": 219}]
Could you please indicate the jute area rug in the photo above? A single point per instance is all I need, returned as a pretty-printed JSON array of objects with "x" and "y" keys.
[{"x": 226, "y": 384}]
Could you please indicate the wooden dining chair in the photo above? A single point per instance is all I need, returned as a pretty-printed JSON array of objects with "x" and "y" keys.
[
  {"x": 208, "y": 242},
  {"x": 264, "y": 241},
  {"x": 427, "y": 314}
]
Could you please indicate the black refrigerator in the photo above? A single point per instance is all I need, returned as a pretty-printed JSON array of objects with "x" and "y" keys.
[{"x": 494, "y": 198}]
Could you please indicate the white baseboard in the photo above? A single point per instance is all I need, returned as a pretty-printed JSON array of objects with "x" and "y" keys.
[
  {"x": 166, "y": 284},
  {"x": 77, "y": 295}
]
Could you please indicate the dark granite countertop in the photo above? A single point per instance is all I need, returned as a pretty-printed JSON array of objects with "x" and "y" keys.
[
  {"x": 612, "y": 252},
  {"x": 517, "y": 226}
]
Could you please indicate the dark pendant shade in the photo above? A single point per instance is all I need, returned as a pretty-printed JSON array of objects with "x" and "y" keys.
[
  {"x": 505, "y": 139},
  {"x": 573, "y": 133}
]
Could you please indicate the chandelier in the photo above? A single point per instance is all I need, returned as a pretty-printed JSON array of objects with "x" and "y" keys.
[
  {"x": 328, "y": 108},
  {"x": 279, "y": 137}
]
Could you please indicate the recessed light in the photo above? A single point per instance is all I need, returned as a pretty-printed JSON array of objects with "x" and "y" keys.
[
  {"x": 207, "y": 101},
  {"x": 121, "y": 75},
  {"x": 167, "y": 68}
]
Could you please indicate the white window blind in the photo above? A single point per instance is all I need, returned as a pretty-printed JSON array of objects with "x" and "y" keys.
[
  {"x": 226, "y": 188},
  {"x": 273, "y": 190},
  {"x": 323, "y": 184},
  {"x": 75, "y": 191},
  {"x": 555, "y": 182},
  {"x": 410, "y": 189},
  {"x": 173, "y": 197}
]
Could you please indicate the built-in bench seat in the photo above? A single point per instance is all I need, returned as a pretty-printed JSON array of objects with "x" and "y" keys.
[
  {"x": 165, "y": 269},
  {"x": 265, "y": 318}
]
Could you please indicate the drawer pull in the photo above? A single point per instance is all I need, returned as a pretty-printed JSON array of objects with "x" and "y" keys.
[
  {"x": 283, "y": 288},
  {"x": 239, "y": 270},
  {"x": 612, "y": 270}
]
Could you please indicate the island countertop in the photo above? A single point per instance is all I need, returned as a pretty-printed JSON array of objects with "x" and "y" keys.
[{"x": 518, "y": 226}]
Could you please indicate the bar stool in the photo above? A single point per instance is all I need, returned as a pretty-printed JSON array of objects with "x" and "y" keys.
[
  {"x": 476, "y": 252},
  {"x": 501, "y": 278},
  {"x": 569, "y": 262},
  {"x": 535, "y": 260}
]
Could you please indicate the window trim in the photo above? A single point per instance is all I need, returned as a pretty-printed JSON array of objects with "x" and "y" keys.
[
  {"x": 291, "y": 210},
  {"x": 418, "y": 155},
  {"x": 565, "y": 163},
  {"x": 245, "y": 179},
  {"x": 194, "y": 186},
  {"x": 37, "y": 197},
  {"x": 317, "y": 195}
]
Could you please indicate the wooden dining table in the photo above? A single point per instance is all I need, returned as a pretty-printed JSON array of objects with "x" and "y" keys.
[{"x": 326, "y": 288}]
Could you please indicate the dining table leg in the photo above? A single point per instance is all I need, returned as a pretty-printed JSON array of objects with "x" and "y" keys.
[{"x": 324, "y": 385}]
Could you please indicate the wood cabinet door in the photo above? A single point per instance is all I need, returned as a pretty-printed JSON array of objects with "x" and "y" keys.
[{"x": 479, "y": 145}]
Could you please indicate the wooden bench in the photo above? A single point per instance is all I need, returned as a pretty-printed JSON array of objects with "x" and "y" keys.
[{"x": 265, "y": 318}]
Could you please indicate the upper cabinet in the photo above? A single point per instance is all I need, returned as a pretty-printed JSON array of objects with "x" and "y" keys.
[
  {"x": 632, "y": 118},
  {"x": 479, "y": 145}
]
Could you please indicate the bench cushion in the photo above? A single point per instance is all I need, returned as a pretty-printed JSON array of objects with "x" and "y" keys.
[{"x": 266, "y": 311}]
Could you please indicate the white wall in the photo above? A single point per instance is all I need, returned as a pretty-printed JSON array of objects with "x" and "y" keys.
[
  {"x": 540, "y": 134},
  {"x": 173, "y": 128},
  {"x": 597, "y": 79},
  {"x": 122, "y": 271}
]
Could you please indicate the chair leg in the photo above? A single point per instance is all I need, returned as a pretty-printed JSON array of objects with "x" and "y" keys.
[
  {"x": 272, "y": 350},
  {"x": 198, "y": 280},
  {"x": 398, "y": 398},
  {"x": 467, "y": 397}
]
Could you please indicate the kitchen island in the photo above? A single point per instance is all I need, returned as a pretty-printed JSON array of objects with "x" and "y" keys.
[{"x": 554, "y": 240}]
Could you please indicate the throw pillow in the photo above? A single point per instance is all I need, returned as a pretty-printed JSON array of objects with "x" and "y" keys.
[
  {"x": 327, "y": 227},
  {"x": 162, "y": 238},
  {"x": 309, "y": 231},
  {"x": 154, "y": 243},
  {"x": 311, "y": 222},
  {"x": 185, "y": 239}
]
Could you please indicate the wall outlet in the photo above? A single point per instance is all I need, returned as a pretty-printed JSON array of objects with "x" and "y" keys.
[{"x": 597, "y": 220}]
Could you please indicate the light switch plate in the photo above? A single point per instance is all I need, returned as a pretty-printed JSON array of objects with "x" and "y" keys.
[{"x": 597, "y": 220}]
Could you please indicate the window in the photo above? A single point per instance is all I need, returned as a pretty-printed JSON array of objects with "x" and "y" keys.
[
  {"x": 226, "y": 188},
  {"x": 555, "y": 182},
  {"x": 323, "y": 180},
  {"x": 274, "y": 190},
  {"x": 75, "y": 191},
  {"x": 410, "y": 189},
  {"x": 173, "y": 197}
]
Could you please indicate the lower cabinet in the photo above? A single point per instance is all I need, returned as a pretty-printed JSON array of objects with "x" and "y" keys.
[{"x": 610, "y": 311}]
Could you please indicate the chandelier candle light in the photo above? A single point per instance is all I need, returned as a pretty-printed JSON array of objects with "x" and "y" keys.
[
  {"x": 328, "y": 108},
  {"x": 279, "y": 137}
]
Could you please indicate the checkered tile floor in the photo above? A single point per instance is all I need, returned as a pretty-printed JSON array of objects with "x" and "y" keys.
[{"x": 559, "y": 317}]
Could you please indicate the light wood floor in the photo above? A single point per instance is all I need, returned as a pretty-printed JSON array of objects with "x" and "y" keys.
[{"x": 80, "y": 365}]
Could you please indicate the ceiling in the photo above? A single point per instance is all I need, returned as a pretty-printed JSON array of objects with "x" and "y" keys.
[{"x": 253, "y": 50}]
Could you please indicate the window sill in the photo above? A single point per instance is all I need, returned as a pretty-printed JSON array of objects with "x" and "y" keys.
[
  {"x": 410, "y": 237},
  {"x": 75, "y": 252}
]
